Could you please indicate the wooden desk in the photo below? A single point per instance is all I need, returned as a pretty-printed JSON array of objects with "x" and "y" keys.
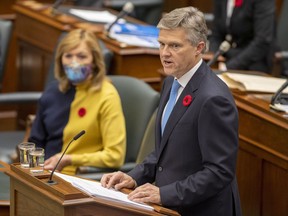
[
  {"x": 37, "y": 32},
  {"x": 262, "y": 169},
  {"x": 33, "y": 196},
  {"x": 4, "y": 190}
]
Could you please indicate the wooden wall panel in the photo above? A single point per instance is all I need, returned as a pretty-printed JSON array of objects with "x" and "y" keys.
[
  {"x": 6, "y": 6},
  {"x": 205, "y": 6},
  {"x": 275, "y": 195},
  {"x": 249, "y": 182}
]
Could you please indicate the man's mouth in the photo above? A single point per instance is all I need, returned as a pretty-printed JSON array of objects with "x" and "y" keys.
[{"x": 167, "y": 63}]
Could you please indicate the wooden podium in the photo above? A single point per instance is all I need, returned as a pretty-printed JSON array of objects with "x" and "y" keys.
[
  {"x": 262, "y": 169},
  {"x": 31, "y": 195}
]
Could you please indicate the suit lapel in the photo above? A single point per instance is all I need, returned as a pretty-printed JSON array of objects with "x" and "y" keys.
[
  {"x": 237, "y": 11},
  {"x": 179, "y": 109},
  {"x": 224, "y": 8},
  {"x": 163, "y": 100}
]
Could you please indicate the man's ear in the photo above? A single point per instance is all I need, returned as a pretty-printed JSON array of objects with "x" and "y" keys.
[{"x": 200, "y": 47}]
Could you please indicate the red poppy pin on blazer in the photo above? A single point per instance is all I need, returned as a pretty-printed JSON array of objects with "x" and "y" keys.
[
  {"x": 238, "y": 3},
  {"x": 81, "y": 112},
  {"x": 187, "y": 100}
]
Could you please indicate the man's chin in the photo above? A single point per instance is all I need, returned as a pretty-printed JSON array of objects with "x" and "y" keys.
[{"x": 168, "y": 71}]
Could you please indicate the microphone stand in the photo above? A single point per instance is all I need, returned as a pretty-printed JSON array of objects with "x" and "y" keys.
[
  {"x": 127, "y": 9},
  {"x": 121, "y": 14},
  {"x": 277, "y": 96},
  {"x": 223, "y": 48},
  {"x": 55, "y": 6},
  {"x": 215, "y": 57},
  {"x": 52, "y": 182}
]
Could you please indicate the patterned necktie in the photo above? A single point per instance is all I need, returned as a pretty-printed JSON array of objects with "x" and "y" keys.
[{"x": 170, "y": 103}]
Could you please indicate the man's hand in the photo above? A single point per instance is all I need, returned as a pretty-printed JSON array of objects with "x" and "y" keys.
[
  {"x": 222, "y": 66},
  {"x": 146, "y": 193},
  {"x": 117, "y": 180}
]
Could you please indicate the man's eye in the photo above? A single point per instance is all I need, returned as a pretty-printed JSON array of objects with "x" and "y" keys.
[{"x": 175, "y": 46}]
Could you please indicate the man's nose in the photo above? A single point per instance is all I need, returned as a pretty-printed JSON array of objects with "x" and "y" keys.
[{"x": 166, "y": 50}]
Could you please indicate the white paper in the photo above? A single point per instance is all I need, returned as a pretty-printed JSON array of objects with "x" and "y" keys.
[
  {"x": 255, "y": 83},
  {"x": 133, "y": 40},
  {"x": 280, "y": 107},
  {"x": 94, "y": 188},
  {"x": 94, "y": 16}
]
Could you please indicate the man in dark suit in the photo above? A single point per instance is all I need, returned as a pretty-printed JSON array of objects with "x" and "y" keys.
[
  {"x": 192, "y": 168},
  {"x": 250, "y": 27}
]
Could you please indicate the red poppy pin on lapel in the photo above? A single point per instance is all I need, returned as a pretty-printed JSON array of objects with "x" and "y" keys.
[
  {"x": 81, "y": 112},
  {"x": 187, "y": 100},
  {"x": 238, "y": 3}
]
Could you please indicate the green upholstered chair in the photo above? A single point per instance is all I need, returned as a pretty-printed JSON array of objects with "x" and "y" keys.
[
  {"x": 139, "y": 102},
  {"x": 148, "y": 141},
  {"x": 5, "y": 38}
]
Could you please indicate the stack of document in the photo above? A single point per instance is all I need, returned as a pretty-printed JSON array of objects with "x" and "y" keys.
[
  {"x": 94, "y": 16},
  {"x": 94, "y": 188},
  {"x": 252, "y": 83},
  {"x": 135, "y": 34},
  {"x": 128, "y": 33}
]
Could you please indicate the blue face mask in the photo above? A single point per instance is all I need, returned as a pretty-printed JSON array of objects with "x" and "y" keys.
[{"x": 77, "y": 73}]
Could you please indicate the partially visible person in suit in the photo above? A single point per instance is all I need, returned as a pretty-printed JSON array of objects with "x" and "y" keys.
[
  {"x": 249, "y": 25},
  {"x": 192, "y": 168},
  {"x": 81, "y": 98}
]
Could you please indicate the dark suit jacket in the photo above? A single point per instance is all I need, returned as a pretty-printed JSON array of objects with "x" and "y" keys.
[
  {"x": 252, "y": 27},
  {"x": 194, "y": 162}
]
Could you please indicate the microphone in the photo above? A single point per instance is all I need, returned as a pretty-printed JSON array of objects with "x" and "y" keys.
[
  {"x": 277, "y": 96},
  {"x": 52, "y": 182},
  {"x": 223, "y": 48},
  {"x": 56, "y": 4},
  {"x": 127, "y": 9}
]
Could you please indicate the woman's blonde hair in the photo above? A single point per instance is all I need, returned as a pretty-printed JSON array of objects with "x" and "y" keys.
[{"x": 70, "y": 42}]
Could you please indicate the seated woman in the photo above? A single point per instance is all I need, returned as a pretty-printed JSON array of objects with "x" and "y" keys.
[{"x": 82, "y": 98}]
